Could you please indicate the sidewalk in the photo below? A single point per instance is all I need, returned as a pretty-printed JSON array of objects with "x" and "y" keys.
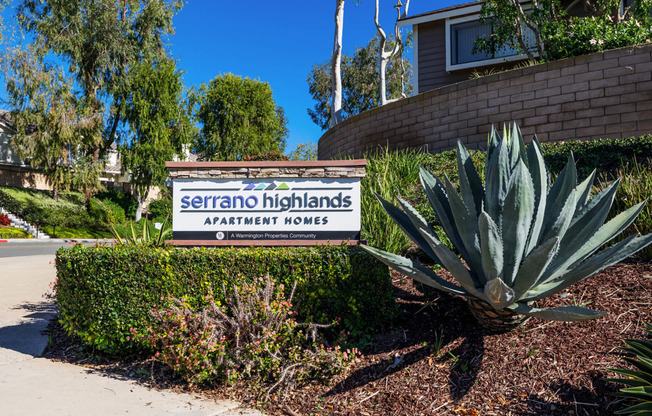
[{"x": 31, "y": 386}]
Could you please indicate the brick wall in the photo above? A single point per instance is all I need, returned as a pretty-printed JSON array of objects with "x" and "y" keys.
[{"x": 606, "y": 94}]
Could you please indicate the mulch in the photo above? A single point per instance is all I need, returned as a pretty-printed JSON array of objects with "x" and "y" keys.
[{"x": 438, "y": 361}]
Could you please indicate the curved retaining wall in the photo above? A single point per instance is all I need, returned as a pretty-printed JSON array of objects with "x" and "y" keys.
[{"x": 605, "y": 94}]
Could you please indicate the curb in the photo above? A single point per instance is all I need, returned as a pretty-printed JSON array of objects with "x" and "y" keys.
[{"x": 56, "y": 240}]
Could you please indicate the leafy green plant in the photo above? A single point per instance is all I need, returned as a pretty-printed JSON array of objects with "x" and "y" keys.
[
  {"x": 521, "y": 240},
  {"x": 106, "y": 211},
  {"x": 160, "y": 209},
  {"x": 253, "y": 333},
  {"x": 13, "y": 232},
  {"x": 635, "y": 185},
  {"x": 145, "y": 237},
  {"x": 638, "y": 380},
  {"x": 104, "y": 291}
]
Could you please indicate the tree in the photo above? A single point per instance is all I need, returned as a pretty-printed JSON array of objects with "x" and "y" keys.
[
  {"x": 336, "y": 65},
  {"x": 158, "y": 125},
  {"x": 49, "y": 131},
  {"x": 360, "y": 83},
  {"x": 304, "y": 151},
  {"x": 546, "y": 31},
  {"x": 100, "y": 40},
  {"x": 238, "y": 117},
  {"x": 384, "y": 55}
]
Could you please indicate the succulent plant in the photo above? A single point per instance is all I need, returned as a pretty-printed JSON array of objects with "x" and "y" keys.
[
  {"x": 639, "y": 380},
  {"x": 519, "y": 239}
]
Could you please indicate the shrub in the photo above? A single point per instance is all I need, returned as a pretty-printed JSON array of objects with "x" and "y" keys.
[
  {"x": 13, "y": 232},
  {"x": 4, "y": 220},
  {"x": 102, "y": 292},
  {"x": 160, "y": 209},
  {"x": 122, "y": 198},
  {"x": 252, "y": 334},
  {"x": 106, "y": 211}
]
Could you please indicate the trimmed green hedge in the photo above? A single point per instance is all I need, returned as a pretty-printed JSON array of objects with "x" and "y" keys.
[{"x": 102, "y": 292}]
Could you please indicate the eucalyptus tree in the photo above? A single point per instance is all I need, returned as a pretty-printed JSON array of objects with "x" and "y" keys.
[
  {"x": 384, "y": 55},
  {"x": 49, "y": 127},
  {"x": 100, "y": 40},
  {"x": 360, "y": 83}
]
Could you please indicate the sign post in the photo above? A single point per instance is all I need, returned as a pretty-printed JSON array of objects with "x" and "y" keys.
[{"x": 266, "y": 203}]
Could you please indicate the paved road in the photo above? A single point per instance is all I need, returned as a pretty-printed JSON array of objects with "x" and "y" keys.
[
  {"x": 34, "y": 247},
  {"x": 33, "y": 386}
]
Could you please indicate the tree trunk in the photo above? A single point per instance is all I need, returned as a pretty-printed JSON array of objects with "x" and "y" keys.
[
  {"x": 55, "y": 193},
  {"x": 141, "y": 202},
  {"x": 385, "y": 56},
  {"x": 336, "y": 65}
]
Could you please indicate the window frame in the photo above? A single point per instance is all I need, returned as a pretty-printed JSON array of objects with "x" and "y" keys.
[{"x": 473, "y": 64}]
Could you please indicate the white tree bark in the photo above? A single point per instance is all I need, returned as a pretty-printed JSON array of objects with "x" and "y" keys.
[
  {"x": 384, "y": 55},
  {"x": 336, "y": 65}
]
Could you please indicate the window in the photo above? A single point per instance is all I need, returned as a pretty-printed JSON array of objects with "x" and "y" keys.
[{"x": 461, "y": 35}]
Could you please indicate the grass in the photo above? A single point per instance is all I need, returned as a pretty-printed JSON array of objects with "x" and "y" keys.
[{"x": 82, "y": 232}]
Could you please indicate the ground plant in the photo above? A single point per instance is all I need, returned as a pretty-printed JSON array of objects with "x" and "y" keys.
[
  {"x": 4, "y": 220},
  {"x": 14, "y": 232},
  {"x": 639, "y": 379},
  {"x": 253, "y": 333},
  {"x": 521, "y": 239}
]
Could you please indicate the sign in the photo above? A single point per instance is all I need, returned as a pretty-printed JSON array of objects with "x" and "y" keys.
[{"x": 266, "y": 209}]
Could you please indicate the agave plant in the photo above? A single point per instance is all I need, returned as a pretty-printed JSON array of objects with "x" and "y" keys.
[
  {"x": 639, "y": 380},
  {"x": 520, "y": 240},
  {"x": 145, "y": 238}
]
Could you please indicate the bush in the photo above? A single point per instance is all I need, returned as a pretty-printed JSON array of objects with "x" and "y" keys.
[
  {"x": 106, "y": 211},
  {"x": 124, "y": 199},
  {"x": 103, "y": 292},
  {"x": 160, "y": 209},
  {"x": 252, "y": 334},
  {"x": 270, "y": 155},
  {"x": 13, "y": 232},
  {"x": 4, "y": 220}
]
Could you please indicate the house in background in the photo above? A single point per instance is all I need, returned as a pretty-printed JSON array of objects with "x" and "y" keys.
[{"x": 443, "y": 43}]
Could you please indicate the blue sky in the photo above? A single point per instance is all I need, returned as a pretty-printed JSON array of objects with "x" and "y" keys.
[{"x": 274, "y": 42}]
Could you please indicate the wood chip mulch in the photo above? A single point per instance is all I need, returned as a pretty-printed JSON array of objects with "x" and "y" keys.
[{"x": 438, "y": 361}]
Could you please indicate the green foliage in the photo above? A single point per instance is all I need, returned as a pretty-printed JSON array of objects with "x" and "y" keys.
[
  {"x": 13, "y": 232},
  {"x": 360, "y": 83},
  {"x": 39, "y": 208},
  {"x": 388, "y": 172},
  {"x": 304, "y": 151},
  {"x": 44, "y": 117},
  {"x": 122, "y": 198},
  {"x": 238, "y": 117},
  {"x": 160, "y": 209},
  {"x": 635, "y": 185},
  {"x": 76, "y": 232},
  {"x": 559, "y": 32},
  {"x": 583, "y": 35},
  {"x": 521, "y": 239},
  {"x": 100, "y": 40},
  {"x": 605, "y": 155},
  {"x": 252, "y": 333},
  {"x": 103, "y": 292},
  {"x": 145, "y": 237},
  {"x": 106, "y": 211},
  {"x": 158, "y": 124},
  {"x": 638, "y": 380}
]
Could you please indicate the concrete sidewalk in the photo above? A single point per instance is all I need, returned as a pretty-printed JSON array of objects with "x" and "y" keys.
[{"x": 32, "y": 386}]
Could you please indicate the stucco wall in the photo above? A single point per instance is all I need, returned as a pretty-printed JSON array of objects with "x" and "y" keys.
[{"x": 606, "y": 94}]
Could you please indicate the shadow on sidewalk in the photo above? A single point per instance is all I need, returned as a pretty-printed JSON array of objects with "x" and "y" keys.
[{"x": 27, "y": 337}]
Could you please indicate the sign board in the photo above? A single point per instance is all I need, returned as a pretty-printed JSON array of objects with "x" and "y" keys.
[{"x": 264, "y": 209}]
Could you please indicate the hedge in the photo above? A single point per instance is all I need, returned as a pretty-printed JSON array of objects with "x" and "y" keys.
[{"x": 103, "y": 292}]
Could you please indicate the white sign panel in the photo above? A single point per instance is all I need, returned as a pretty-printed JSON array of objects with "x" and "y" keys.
[{"x": 266, "y": 209}]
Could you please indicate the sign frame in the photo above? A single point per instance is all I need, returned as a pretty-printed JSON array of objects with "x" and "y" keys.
[{"x": 266, "y": 172}]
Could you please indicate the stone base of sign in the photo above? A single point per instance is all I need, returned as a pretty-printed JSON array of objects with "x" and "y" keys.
[{"x": 263, "y": 170}]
